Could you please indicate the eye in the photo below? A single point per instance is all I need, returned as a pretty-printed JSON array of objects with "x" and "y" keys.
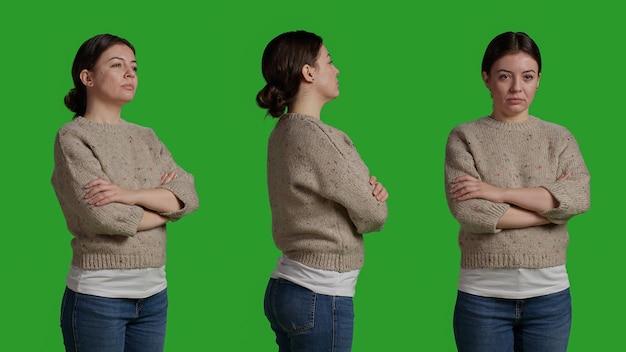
[
  {"x": 135, "y": 68},
  {"x": 117, "y": 64},
  {"x": 529, "y": 77},
  {"x": 505, "y": 76}
]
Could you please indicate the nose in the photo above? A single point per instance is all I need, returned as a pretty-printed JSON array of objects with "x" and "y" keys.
[
  {"x": 516, "y": 85},
  {"x": 130, "y": 72}
]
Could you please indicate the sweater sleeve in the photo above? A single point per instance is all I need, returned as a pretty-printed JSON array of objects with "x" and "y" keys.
[
  {"x": 342, "y": 176},
  {"x": 474, "y": 215},
  {"x": 75, "y": 165},
  {"x": 183, "y": 186},
  {"x": 573, "y": 194}
]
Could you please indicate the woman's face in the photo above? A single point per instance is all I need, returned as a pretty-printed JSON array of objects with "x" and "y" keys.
[
  {"x": 325, "y": 74},
  {"x": 114, "y": 77},
  {"x": 513, "y": 82}
]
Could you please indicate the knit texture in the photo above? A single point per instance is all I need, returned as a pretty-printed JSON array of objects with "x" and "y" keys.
[
  {"x": 533, "y": 153},
  {"x": 131, "y": 156},
  {"x": 320, "y": 195}
]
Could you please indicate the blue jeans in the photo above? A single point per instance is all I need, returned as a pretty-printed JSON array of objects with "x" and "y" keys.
[
  {"x": 538, "y": 324},
  {"x": 305, "y": 321},
  {"x": 99, "y": 324}
]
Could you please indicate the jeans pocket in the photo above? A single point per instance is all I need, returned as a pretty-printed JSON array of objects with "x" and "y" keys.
[{"x": 293, "y": 306}]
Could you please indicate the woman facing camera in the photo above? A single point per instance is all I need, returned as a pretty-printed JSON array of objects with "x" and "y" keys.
[{"x": 513, "y": 181}]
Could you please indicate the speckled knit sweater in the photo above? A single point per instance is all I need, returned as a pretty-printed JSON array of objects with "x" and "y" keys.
[
  {"x": 533, "y": 153},
  {"x": 131, "y": 156},
  {"x": 320, "y": 195}
]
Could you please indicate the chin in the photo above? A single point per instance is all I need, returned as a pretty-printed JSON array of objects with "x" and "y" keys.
[{"x": 128, "y": 98}]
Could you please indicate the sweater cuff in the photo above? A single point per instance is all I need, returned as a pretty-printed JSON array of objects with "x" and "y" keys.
[
  {"x": 187, "y": 197},
  {"x": 487, "y": 220},
  {"x": 560, "y": 214}
]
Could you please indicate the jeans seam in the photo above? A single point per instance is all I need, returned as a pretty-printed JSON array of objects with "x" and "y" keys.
[
  {"x": 74, "y": 325},
  {"x": 334, "y": 307}
]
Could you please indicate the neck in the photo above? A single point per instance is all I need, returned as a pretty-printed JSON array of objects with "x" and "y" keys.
[
  {"x": 103, "y": 113},
  {"x": 307, "y": 103},
  {"x": 509, "y": 118}
]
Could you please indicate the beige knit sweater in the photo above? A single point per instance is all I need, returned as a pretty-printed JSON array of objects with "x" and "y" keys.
[
  {"x": 533, "y": 153},
  {"x": 320, "y": 195},
  {"x": 131, "y": 156}
]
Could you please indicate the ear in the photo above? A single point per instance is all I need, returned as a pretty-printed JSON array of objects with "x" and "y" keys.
[
  {"x": 85, "y": 77},
  {"x": 485, "y": 79},
  {"x": 307, "y": 73}
]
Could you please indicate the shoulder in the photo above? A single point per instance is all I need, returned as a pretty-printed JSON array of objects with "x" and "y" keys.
[
  {"x": 470, "y": 125},
  {"x": 71, "y": 127},
  {"x": 71, "y": 132},
  {"x": 550, "y": 125},
  {"x": 301, "y": 124},
  {"x": 470, "y": 128},
  {"x": 310, "y": 135},
  {"x": 554, "y": 130},
  {"x": 307, "y": 129},
  {"x": 82, "y": 126}
]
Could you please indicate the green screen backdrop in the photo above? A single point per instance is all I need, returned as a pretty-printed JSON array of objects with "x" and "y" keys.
[{"x": 410, "y": 72}]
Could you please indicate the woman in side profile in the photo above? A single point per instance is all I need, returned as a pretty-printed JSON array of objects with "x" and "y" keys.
[
  {"x": 322, "y": 196},
  {"x": 118, "y": 186},
  {"x": 513, "y": 181}
]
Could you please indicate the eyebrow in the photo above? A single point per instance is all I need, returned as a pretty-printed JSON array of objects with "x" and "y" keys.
[
  {"x": 531, "y": 70},
  {"x": 119, "y": 58}
]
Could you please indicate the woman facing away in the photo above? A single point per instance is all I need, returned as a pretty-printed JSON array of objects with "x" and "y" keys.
[
  {"x": 513, "y": 181},
  {"x": 118, "y": 186},
  {"x": 322, "y": 199}
]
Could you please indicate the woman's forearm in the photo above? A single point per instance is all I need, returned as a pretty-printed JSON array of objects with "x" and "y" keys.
[
  {"x": 158, "y": 199},
  {"x": 535, "y": 199},
  {"x": 518, "y": 218},
  {"x": 151, "y": 220}
]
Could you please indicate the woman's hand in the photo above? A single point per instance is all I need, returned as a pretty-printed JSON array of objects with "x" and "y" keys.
[
  {"x": 468, "y": 187},
  {"x": 564, "y": 176},
  {"x": 379, "y": 192},
  {"x": 101, "y": 192},
  {"x": 167, "y": 177}
]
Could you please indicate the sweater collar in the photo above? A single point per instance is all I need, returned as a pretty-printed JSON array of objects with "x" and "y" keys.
[
  {"x": 122, "y": 124},
  {"x": 526, "y": 125},
  {"x": 302, "y": 116}
]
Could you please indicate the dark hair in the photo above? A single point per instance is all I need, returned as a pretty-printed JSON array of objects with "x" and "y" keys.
[
  {"x": 510, "y": 43},
  {"x": 283, "y": 59},
  {"x": 86, "y": 58}
]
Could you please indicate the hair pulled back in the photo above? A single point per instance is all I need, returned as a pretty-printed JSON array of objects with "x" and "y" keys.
[
  {"x": 510, "y": 43},
  {"x": 86, "y": 58},
  {"x": 283, "y": 59}
]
